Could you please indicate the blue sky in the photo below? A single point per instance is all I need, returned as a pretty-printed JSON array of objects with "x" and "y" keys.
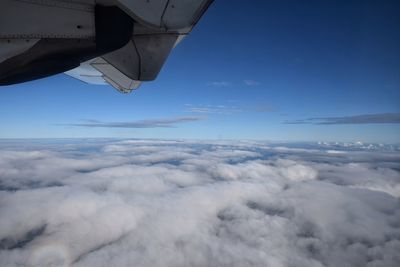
[{"x": 256, "y": 71}]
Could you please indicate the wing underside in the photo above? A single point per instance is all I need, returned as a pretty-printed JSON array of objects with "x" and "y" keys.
[
  {"x": 142, "y": 58},
  {"x": 116, "y": 42},
  {"x": 98, "y": 71}
]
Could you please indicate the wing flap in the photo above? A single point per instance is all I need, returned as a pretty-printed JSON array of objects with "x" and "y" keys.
[{"x": 98, "y": 71}]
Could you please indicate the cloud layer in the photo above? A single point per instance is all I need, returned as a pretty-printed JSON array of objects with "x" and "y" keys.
[
  {"x": 155, "y": 123},
  {"x": 182, "y": 203},
  {"x": 359, "y": 119}
]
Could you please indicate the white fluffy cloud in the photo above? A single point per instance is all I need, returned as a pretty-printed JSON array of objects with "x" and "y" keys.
[{"x": 182, "y": 203}]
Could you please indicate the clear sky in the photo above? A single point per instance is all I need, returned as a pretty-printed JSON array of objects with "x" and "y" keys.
[{"x": 271, "y": 70}]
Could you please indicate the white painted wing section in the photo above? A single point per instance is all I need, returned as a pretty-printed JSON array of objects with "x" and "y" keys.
[
  {"x": 86, "y": 73},
  {"x": 98, "y": 71}
]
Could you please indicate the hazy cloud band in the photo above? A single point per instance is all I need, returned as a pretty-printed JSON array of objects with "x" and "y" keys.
[
  {"x": 358, "y": 119},
  {"x": 156, "y": 123}
]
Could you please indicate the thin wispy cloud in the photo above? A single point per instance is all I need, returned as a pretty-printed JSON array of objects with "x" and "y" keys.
[
  {"x": 265, "y": 108},
  {"x": 154, "y": 123},
  {"x": 220, "y": 83},
  {"x": 229, "y": 109},
  {"x": 383, "y": 118},
  {"x": 228, "y": 83},
  {"x": 212, "y": 109},
  {"x": 251, "y": 82}
]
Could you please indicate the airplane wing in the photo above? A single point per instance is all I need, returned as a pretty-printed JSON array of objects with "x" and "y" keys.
[
  {"x": 139, "y": 60},
  {"x": 116, "y": 42},
  {"x": 98, "y": 71}
]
